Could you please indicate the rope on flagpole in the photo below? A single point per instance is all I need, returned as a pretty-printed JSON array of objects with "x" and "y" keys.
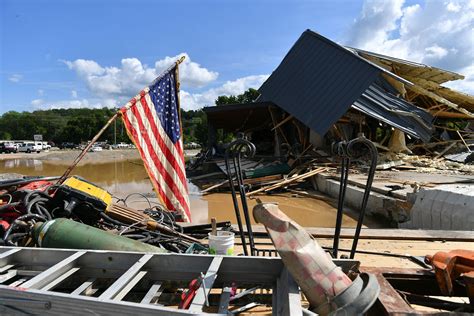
[{"x": 96, "y": 137}]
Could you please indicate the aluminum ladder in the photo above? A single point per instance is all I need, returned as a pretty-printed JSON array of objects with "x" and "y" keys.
[{"x": 77, "y": 282}]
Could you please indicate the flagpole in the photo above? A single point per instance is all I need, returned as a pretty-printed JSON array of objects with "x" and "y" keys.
[
  {"x": 176, "y": 73},
  {"x": 96, "y": 137},
  {"x": 86, "y": 149}
]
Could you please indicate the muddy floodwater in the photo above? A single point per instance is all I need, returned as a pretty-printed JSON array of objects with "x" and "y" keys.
[{"x": 122, "y": 178}]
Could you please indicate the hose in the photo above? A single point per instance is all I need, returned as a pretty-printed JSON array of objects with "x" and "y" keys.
[
  {"x": 9, "y": 240},
  {"x": 17, "y": 222}
]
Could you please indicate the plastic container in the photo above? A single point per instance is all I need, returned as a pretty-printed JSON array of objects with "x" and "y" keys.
[{"x": 222, "y": 244}]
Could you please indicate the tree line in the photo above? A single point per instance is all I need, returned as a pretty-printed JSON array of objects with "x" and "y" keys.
[{"x": 81, "y": 125}]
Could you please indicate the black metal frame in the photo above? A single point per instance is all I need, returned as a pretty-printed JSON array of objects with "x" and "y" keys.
[
  {"x": 346, "y": 151},
  {"x": 240, "y": 148}
]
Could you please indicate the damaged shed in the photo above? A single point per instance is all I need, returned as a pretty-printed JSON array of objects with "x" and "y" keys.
[
  {"x": 318, "y": 81},
  {"x": 322, "y": 92}
]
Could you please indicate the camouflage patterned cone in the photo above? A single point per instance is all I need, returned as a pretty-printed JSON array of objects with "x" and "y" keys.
[{"x": 311, "y": 267}]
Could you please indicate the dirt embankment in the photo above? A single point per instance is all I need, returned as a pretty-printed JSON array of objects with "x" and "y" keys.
[{"x": 66, "y": 157}]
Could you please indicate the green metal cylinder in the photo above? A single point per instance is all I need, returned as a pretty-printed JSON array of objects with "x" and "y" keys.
[{"x": 66, "y": 233}]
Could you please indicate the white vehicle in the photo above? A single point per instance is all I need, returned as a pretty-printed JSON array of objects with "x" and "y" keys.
[
  {"x": 30, "y": 147},
  {"x": 122, "y": 146},
  {"x": 96, "y": 148},
  {"x": 45, "y": 146}
]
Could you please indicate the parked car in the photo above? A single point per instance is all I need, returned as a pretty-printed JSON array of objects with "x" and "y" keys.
[
  {"x": 8, "y": 147},
  {"x": 67, "y": 145},
  {"x": 46, "y": 146},
  {"x": 121, "y": 146},
  {"x": 191, "y": 145},
  {"x": 30, "y": 147},
  {"x": 96, "y": 148}
]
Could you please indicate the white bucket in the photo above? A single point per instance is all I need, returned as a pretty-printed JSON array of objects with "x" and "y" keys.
[{"x": 222, "y": 244}]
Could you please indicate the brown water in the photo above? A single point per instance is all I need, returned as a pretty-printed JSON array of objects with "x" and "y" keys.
[{"x": 122, "y": 178}]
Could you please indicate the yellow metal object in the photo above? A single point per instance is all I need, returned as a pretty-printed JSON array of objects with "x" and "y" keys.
[{"x": 88, "y": 188}]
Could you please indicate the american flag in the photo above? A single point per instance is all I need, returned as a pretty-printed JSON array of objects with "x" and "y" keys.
[{"x": 152, "y": 122}]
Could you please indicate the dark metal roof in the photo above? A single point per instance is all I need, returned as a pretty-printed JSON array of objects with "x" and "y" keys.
[{"x": 319, "y": 80}]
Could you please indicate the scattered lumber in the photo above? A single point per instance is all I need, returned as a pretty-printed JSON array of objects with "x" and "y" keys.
[
  {"x": 444, "y": 151},
  {"x": 288, "y": 181},
  {"x": 215, "y": 186},
  {"x": 266, "y": 180},
  {"x": 464, "y": 142}
]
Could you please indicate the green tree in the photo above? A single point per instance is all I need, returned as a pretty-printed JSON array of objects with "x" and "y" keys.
[{"x": 248, "y": 96}]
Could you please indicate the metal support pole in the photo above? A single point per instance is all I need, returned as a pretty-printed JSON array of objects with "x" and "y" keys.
[
  {"x": 370, "y": 178},
  {"x": 237, "y": 149},
  {"x": 346, "y": 152},
  {"x": 345, "y": 162},
  {"x": 236, "y": 203}
]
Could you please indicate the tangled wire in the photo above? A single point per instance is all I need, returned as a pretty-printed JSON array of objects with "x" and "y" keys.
[{"x": 28, "y": 207}]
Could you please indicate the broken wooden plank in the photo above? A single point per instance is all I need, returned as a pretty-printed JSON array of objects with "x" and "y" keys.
[
  {"x": 463, "y": 141},
  {"x": 289, "y": 181},
  {"x": 286, "y": 119}
]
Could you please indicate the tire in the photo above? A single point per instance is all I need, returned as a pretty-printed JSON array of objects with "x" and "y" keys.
[{"x": 28, "y": 151}]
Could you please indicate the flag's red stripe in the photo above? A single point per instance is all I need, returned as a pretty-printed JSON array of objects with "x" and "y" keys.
[
  {"x": 168, "y": 155},
  {"x": 169, "y": 181},
  {"x": 179, "y": 149},
  {"x": 132, "y": 131}
]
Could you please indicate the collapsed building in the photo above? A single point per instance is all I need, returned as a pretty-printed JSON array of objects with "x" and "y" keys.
[
  {"x": 323, "y": 90},
  {"x": 322, "y": 93}
]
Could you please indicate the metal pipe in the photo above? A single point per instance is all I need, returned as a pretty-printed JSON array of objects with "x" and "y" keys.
[
  {"x": 342, "y": 191},
  {"x": 248, "y": 149},
  {"x": 234, "y": 200}
]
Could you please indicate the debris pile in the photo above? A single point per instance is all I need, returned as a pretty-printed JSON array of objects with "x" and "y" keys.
[{"x": 78, "y": 214}]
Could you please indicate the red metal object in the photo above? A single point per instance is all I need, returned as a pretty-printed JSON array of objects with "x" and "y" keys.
[
  {"x": 40, "y": 185},
  {"x": 188, "y": 296},
  {"x": 449, "y": 266},
  {"x": 4, "y": 224}
]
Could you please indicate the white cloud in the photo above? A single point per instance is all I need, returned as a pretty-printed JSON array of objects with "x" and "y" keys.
[
  {"x": 78, "y": 103},
  {"x": 15, "y": 78},
  {"x": 132, "y": 76},
  {"x": 37, "y": 102},
  {"x": 195, "y": 101},
  {"x": 112, "y": 81},
  {"x": 437, "y": 33},
  {"x": 123, "y": 82},
  {"x": 190, "y": 73}
]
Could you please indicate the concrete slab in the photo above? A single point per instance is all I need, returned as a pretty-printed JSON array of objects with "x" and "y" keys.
[{"x": 444, "y": 201}]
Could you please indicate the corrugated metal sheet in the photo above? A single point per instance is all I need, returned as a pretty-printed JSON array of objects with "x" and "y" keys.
[
  {"x": 380, "y": 101},
  {"x": 319, "y": 80}
]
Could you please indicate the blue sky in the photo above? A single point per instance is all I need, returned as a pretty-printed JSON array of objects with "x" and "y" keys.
[{"x": 93, "y": 53}]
